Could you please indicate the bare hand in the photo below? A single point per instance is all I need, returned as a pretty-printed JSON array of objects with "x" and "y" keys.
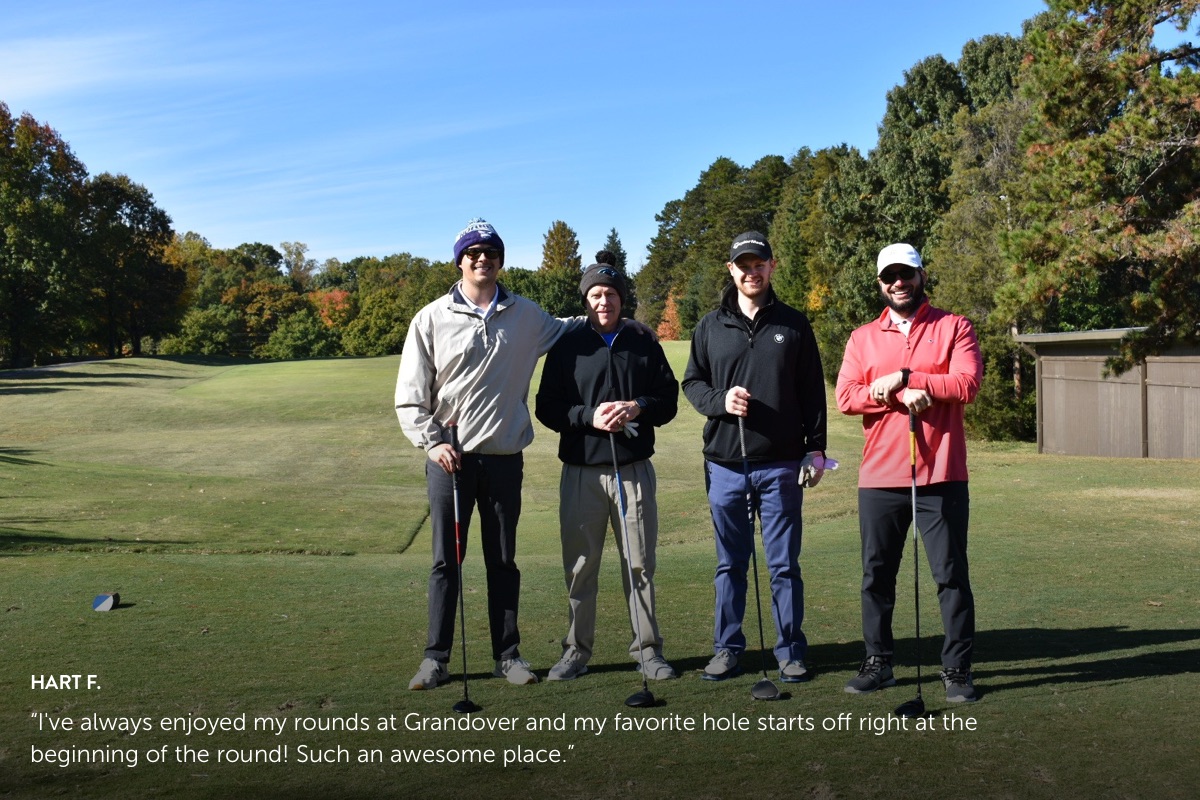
[
  {"x": 916, "y": 400},
  {"x": 611, "y": 416},
  {"x": 444, "y": 456},
  {"x": 883, "y": 388},
  {"x": 737, "y": 402}
]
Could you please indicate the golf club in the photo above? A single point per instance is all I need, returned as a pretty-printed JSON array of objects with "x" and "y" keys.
[
  {"x": 644, "y": 698},
  {"x": 915, "y": 707},
  {"x": 766, "y": 688},
  {"x": 464, "y": 706}
]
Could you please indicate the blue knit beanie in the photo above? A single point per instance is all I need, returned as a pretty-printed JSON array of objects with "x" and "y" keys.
[{"x": 478, "y": 231}]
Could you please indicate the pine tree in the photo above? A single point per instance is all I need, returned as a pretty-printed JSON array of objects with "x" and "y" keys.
[
  {"x": 560, "y": 249},
  {"x": 613, "y": 254},
  {"x": 1108, "y": 199}
]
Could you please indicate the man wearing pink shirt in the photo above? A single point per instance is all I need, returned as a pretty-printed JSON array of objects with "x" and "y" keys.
[{"x": 919, "y": 359}]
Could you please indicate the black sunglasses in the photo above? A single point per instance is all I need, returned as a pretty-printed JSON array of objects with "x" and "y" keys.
[
  {"x": 890, "y": 276},
  {"x": 474, "y": 253}
]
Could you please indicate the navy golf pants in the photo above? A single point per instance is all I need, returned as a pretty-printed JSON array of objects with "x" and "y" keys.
[{"x": 776, "y": 498}]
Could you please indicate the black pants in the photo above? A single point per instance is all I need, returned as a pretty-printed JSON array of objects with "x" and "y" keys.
[
  {"x": 493, "y": 485},
  {"x": 884, "y": 515}
]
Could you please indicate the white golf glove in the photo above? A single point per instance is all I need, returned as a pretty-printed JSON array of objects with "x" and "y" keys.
[
  {"x": 630, "y": 429},
  {"x": 812, "y": 468}
]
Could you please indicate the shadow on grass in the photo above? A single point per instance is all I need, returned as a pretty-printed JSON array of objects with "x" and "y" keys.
[
  {"x": 63, "y": 386},
  {"x": 1032, "y": 657},
  {"x": 11, "y": 390},
  {"x": 1044, "y": 656},
  {"x": 61, "y": 379},
  {"x": 14, "y": 541},
  {"x": 1123, "y": 654},
  {"x": 11, "y": 455}
]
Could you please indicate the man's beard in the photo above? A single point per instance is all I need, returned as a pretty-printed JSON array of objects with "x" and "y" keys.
[{"x": 908, "y": 306}]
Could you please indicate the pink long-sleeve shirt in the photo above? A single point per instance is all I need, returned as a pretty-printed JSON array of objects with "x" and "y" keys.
[{"x": 943, "y": 353}]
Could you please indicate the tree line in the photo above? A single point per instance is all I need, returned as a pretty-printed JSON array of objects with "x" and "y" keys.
[{"x": 1049, "y": 181}]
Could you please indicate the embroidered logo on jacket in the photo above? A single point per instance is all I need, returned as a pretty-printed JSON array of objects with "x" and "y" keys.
[{"x": 779, "y": 338}]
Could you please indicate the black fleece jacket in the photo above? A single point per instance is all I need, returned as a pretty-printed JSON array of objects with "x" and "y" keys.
[
  {"x": 775, "y": 358},
  {"x": 581, "y": 372}
]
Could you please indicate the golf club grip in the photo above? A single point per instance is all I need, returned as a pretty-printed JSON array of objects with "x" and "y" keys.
[
  {"x": 453, "y": 428},
  {"x": 912, "y": 441}
]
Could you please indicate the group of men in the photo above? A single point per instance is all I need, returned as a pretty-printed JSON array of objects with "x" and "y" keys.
[{"x": 754, "y": 371}]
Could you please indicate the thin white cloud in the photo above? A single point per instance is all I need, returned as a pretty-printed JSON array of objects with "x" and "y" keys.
[{"x": 37, "y": 68}]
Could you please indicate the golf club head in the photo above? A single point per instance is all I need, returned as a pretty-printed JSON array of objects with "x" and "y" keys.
[
  {"x": 765, "y": 690},
  {"x": 913, "y": 709},
  {"x": 641, "y": 699},
  {"x": 465, "y": 706}
]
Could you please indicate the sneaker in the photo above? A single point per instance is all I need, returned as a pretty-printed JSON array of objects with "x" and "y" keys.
[
  {"x": 875, "y": 673},
  {"x": 959, "y": 686},
  {"x": 657, "y": 669},
  {"x": 431, "y": 675},
  {"x": 516, "y": 670},
  {"x": 793, "y": 671},
  {"x": 723, "y": 665},
  {"x": 569, "y": 667}
]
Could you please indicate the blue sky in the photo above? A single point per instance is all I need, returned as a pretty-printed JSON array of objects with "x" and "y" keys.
[{"x": 369, "y": 128}]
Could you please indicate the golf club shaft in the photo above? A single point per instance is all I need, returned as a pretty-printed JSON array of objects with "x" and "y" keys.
[
  {"x": 762, "y": 641},
  {"x": 631, "y": 598},
  {"x": 458, "y": 554},
  {"x": 912, "y": 449}
]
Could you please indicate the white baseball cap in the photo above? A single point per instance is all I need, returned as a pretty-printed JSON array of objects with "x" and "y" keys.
[{"x": 904, "y": 254}]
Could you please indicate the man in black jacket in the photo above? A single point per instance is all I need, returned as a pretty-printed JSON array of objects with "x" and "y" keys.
[
  {"x": 601, "y": 383},
  {"x": 756, "y": 358}
]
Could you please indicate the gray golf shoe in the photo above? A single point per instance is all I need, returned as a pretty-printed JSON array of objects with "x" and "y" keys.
[
  {"x": 959, "y": 686},
  {"x": 793, "y": 671},
  {"x": 569, "y": 667},
  {"x": 430, "y": 675},
  {"x": 723, "y": 665},
  {"x": 657, "y": 669},
  {"x": 515, "y": 670},
  {"x": 875, "y": 673}
]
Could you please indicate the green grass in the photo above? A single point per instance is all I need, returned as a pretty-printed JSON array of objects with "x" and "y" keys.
[{"x": 257, "y": 520}]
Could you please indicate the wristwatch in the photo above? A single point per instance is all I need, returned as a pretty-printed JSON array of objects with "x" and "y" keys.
[
  {"x": 641, "y": 402},
  {"x": 904, "y": 373}
]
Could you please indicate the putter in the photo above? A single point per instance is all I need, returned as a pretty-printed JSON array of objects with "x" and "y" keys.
[
  {"x": 766, "y": 688},
  {"x": 464, "y": 706},
  {"x": 916, "y": 707},
  {"x": 644, "y": 698}
]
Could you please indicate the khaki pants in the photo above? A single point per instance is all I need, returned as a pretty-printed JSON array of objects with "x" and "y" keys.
[{"x": 588, "y": 506}]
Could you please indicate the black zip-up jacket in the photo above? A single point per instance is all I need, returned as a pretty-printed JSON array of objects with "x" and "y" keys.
[
  {"x": 581, "y": 372},
  {"x": 775, "y": 358}
]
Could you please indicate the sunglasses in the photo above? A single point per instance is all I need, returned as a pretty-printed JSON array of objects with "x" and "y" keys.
[
  {"x": 890, "y": 276},
  {"x": 474, "y": 253}
]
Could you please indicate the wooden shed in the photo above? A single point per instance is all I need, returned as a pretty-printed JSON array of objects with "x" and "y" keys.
[{"x": 1152, "y": 411}]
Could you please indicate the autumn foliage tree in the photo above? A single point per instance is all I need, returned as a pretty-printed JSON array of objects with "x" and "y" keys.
[
  {"x": 41, "y": 203},
  {"x": 668, "y": 325}
]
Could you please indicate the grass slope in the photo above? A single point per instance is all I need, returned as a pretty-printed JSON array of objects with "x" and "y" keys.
[{"x": 206, "y": 493}]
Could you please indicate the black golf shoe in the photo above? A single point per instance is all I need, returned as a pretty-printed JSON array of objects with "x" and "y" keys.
[
  {"x": 875, "y": 673},
  {"x": 959, "y": 686}
]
